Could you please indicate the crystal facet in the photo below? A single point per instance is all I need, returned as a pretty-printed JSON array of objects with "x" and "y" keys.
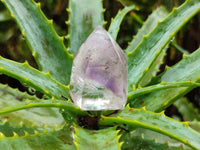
[{"x": 99, "y": 73}]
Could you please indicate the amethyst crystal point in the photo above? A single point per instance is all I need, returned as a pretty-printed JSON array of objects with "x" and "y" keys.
[{"x": 99, "y": 73}]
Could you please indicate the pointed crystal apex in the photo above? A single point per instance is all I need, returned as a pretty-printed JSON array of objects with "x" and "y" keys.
[{"x": 99, "y": 74}]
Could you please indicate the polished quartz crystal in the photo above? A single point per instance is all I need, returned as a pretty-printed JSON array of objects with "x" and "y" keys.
[{"x": 99, "y": 74}]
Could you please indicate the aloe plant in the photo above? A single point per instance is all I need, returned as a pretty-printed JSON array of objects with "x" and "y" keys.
[{"x": 51, "y": 122}]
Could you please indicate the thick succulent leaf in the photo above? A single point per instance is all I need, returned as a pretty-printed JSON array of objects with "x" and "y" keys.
[
  {"x": 15, "y": 94},
  {"x": 155, "y": 121},
  {"x": 140, "y": 59},
  {"x": 85, "y": 16},
  {"x": 47, "y": 47},
  {"x": 69, "y": 106},
  {"x": 157, "y": 138},
  {"x": 33, "y": 138},
  {"x": 158, "y": 15},
  {"x": 104, "y": 139},
  {"x": 187, "y": 109},
  {"x": 9, "y": 130},
  {"x": 139, "y": 142},
  {"x": 34, "y": 78},
  {"x": 154, "y": 68},
  {"x": 160, "y": 86},
  {"x": 37, "y": 116},
  {"x": 186, "y": 70},
  {"x": 115, "y": 24}
]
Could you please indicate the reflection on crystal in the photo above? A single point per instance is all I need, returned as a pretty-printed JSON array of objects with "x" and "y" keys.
[{"x": 99, "y": 74}]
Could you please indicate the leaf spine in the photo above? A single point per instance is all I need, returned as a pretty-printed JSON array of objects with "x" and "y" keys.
[
  {"x": 173, "y": 33},
  {"x": 71, "y": 55},
  {"x": 128, "y": 106},
  {"x": 186, "y": 20},
  {"x": 67, "y": 22},
  {"x": 12, "y": 15},
  {"x": 26, "y": 63},
  {"x": 34, "y": 55},
  {"x": 158, "y": 22},
  {"x": 129, "y": 96},
  {"x": 48, "y": 74},
  {"x": 67, "y": 9},
  {"x": 163, "y": 82},
  {"x": 128, "y": 53},
  {"x": 144, "y": 36},
  {"x": 68, "y": 86},
  {"x": 50, "y": 21},
  {"x": 61, "y": 38},
  {"x": 2, "y": 135},
  {"x": 47, "y": 92},
  {"x": 15, "y": 134},
  {"x": 38, "y": 4},
  {"x": 144, "y": 108},
  {"x": 23, "y": 34},
  {"x": 67, "y": 36},
  {"x": 27, "y": 79},
  {"x": 121, "y": 143},
  {"x": 167, "y": 67},
  {"x": 146, "y": 69},
  {"x": 59, "y": 104},
  {"x": 162, "y": 112},
  {"x": 186, "y": 123},
  {"x": 36, "y": 132},
  {"x": 184, "y": 55}
]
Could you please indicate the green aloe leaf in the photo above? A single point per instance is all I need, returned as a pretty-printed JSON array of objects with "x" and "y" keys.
[
  {"x": 154, "y": 68},
  {"x": 69, "y": 106},
  {"x": 186, "y": 70},
  {"x": 34, "y": 78},
  {"x": 39, "y": 116},
  {"x": 137, "y": 142},
  {"x": 104, "y": 139},
  {"x": 85, "y": 16},
  {"x": 9, "y": 130},
  {"x": 115, "y": 24},
  {"x": 158, "y": 15},
  {"x": 141, "y": 59},
  {"x": 157, "y": 138},
  {"x": 160, "y": 86},
  {"x": 149, "y": 25},
  {"x": 187, "y": 109},
  {"x": 155, "y": 121},
  {"x": 47, "y": 47},
  {"x": 33, "y": 138}
]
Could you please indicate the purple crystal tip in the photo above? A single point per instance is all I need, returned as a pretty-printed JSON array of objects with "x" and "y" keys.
[{"x": 99, "y": 73}]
